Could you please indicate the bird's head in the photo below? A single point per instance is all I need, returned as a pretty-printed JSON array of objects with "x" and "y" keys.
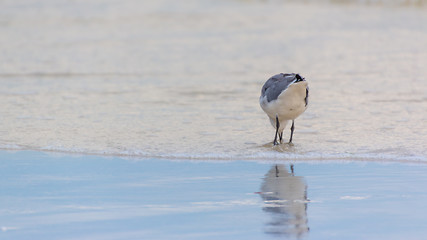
[{"x": 298, "y": 78}]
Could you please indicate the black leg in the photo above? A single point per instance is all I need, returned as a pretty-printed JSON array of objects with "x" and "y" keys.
[
  {"x": 280, "y": 137},
  {"x": 292, "y": 131},
  {"x": 277, "y": 131},
  {"x": 292, "y": 169},
  {"x": 277, "y": 171}
]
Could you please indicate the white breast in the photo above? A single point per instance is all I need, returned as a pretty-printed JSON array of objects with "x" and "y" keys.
[{"x": 289, "y": 105}]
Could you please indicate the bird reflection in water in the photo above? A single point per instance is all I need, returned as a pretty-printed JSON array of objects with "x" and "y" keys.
[{"x": 285, "y": 199}]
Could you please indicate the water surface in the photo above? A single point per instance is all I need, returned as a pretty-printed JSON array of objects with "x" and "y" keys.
[{"x": 85, "y": 197}]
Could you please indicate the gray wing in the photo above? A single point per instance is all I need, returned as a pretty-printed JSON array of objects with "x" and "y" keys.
[{"x": 276, "y": 85}]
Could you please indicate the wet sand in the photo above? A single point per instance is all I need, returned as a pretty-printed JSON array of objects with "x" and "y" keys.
[
  {"x": 54, "y": 196},
  {"x": 160, "y": 99},
  {"x": 160, "y": 79}
]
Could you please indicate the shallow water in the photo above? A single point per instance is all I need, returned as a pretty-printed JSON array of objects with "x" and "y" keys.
[
  {"x": 85, "y": 197},
  {"x": 162, "y": 79}
]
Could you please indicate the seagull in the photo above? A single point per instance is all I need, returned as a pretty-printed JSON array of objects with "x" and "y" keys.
[{"x": 284, "y": 97}]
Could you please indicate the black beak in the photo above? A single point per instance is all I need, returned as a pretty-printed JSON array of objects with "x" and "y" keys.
[{"x": 299, "y": 78}]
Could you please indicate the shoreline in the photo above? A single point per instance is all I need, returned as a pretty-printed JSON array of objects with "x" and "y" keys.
[{"x": 262, "y": 159}]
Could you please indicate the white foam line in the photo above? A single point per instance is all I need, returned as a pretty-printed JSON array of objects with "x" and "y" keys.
[
  {"x": 354, "y": 197},
  {"x": 267, "y": 157},
  {"x": 5, "y": 229}
]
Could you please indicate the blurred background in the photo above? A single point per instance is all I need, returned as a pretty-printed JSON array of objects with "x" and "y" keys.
[{"x": 182, "y": 79}]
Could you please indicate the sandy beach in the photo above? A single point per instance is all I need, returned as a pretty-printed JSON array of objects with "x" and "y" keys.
[
  {"x": 164, "y": 80},
  {"x": 141, "y": 120}
]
